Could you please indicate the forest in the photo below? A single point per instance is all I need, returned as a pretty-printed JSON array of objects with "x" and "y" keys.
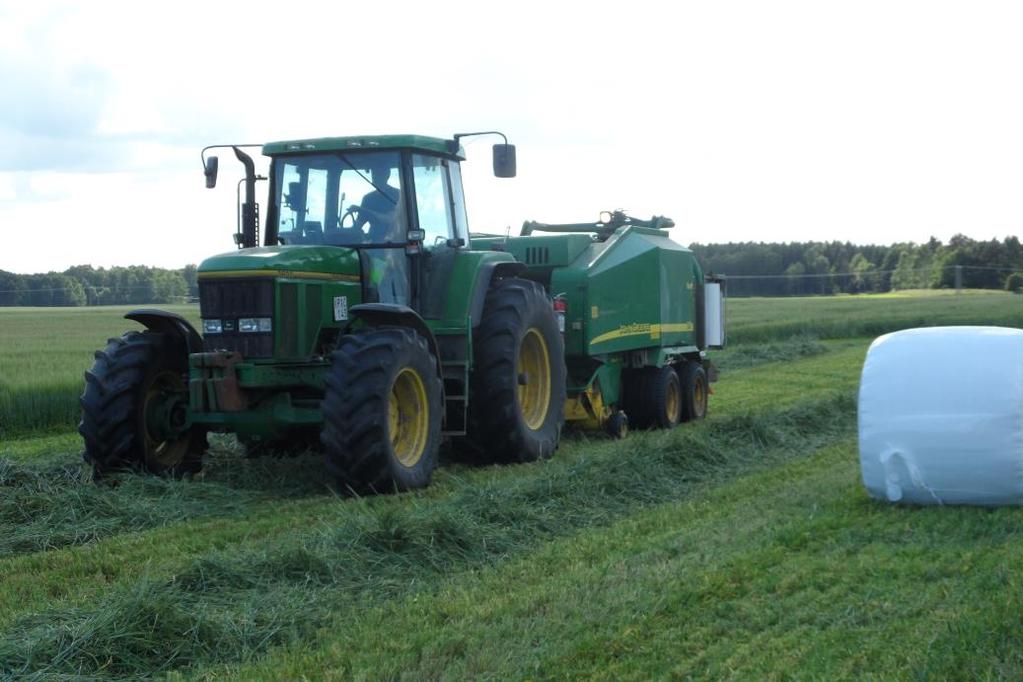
[
  {"x": 824, "y": 268},
  {"x": 752, "y": 269},
  {"x": 84, "y": 285}
]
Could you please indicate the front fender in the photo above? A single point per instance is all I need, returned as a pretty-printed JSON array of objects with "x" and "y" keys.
[{"x": 168, "y": 323}]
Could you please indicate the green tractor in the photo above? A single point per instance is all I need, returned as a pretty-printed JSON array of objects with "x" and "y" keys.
[{"x": 362, "y": 319}]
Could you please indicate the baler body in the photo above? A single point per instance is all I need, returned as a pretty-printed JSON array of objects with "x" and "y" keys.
[{"x": 632, "y": 300}]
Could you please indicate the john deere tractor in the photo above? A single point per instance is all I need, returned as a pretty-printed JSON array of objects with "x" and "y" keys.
[
  {"x": 359, "y": 318},
  {"x": 354, "y": 317}
]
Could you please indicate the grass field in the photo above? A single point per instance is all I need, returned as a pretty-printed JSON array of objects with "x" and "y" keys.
[
  {"x": 43, "y": 354},
  {"x": 743, "y": 546}
]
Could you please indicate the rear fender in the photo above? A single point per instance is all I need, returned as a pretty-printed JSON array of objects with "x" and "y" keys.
[
  {"x": 486, "y": 274},
  {"x": 395, "y": 315}
]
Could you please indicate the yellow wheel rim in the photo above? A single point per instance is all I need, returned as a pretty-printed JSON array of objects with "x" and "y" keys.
[
  {"x": 699, "y": 398},
  {"x": 534, "y": 376},
  {"x": 673, "y": 401},
  {"x": 162, "y": 452},
  {"x": 409, "y": 417}
]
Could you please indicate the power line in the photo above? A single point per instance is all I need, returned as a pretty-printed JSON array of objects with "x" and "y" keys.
[
  {"x": 85, "y": 287},
  {"x": 870, "y": 273}
]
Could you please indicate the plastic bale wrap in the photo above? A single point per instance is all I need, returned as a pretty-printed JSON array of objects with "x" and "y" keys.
[{"x": 941, "y": 416}]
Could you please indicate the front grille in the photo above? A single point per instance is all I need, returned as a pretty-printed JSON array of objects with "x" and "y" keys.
[
  {"x": 236, "y": 298},
  {"x": 230, "y": 299}
]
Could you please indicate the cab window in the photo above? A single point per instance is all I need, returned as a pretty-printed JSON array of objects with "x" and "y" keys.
[{"x": 433, "y": 199}]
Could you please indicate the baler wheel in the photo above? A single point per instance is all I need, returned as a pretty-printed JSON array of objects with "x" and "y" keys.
[
  {"x": 382, "y": 411},
  {"x": 518, "y": 384},
  {"x": 617, "y": 425},
  {"x": 654, "y": 397},
  {"x": 667, "y": 397},
  {"x": 134, "y": 406},
  {"x": 694, "y": 391}
]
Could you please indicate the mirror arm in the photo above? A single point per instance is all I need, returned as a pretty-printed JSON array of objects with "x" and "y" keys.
[{"x": 459, "y": 136}]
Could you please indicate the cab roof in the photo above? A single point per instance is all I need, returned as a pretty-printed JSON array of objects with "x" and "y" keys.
[{"x": 433, "y": 145}]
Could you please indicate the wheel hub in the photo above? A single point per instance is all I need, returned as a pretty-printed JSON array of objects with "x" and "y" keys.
[
  {"x": 534, "y": 378},
  {"x": 165, "y": 412},
  {"x": 408, "y": 417}
]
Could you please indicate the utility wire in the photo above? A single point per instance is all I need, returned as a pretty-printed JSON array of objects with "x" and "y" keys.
[
  {"x": 100, "y": 289},
  {"x": 869, "y": 273}
]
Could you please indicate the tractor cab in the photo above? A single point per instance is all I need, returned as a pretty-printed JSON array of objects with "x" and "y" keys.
[
  {"x": 397, "y": 200},
  {"x": 392, "y": 206}
]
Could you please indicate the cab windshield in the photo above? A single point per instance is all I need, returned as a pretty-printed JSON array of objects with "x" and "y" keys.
[{"x": 340, "y": 199}]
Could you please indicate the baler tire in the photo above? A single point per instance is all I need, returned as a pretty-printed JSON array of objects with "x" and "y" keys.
[
  {"x": 509, "y": 419},
  {"x": 654, "y": 398},
  {"x": 636, "y": 397},
  {"x": 117, "y": 387},
  {"x": 694, "y": 391},
  {"x": 667, "y": 397},
  {"x": 375, "y": 376}
]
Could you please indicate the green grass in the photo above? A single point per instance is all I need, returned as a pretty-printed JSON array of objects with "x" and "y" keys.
[
  {"x": 43, "y": 354},
  {"x": 45, "y": 351},
  {"x": 761, "y": 320},
  {"x": 230, "y": 604},
  {"x": 789, "y": 570},
  {"x": 743, "y": 546}
]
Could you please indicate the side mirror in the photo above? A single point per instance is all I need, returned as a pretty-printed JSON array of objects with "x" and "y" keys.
[
  {"x": 504, "y": 160},
  {"x": 212, "y": 165}
]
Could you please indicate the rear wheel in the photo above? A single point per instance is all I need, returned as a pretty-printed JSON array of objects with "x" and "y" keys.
[
  {"x": 382, "y": 411},
  {"x": 517, "y": 404},
  {"x": 135, "y": 408},
  {"x": 694, "y": 391}
]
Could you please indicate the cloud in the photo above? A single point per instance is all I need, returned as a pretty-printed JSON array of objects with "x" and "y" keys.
[
  {"x": 51, "y": 114},
  {"x": 79, "y": 96}
]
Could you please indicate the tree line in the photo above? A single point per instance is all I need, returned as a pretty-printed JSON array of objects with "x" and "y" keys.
[
  {"x": 753, "y": 269},
  {"x": 85, "y": 285},
  {"x": 823, "y": 268}
]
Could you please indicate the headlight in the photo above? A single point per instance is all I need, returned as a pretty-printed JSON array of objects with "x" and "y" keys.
[
  {"x": 254, "y": 324},
  {"x": 211, "y": 327}
]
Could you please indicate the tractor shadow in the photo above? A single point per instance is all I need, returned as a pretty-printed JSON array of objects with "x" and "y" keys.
[{"x": 295, "y": 475}]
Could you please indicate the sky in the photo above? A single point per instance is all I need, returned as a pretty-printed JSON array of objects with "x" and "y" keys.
[{"x": 869, "y": 122}]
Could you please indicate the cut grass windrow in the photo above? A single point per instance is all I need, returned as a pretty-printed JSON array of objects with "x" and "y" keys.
[
  {"x": 56, "y": 505},
  {"x": 787, "y": 572},
  {"x": 231, "y": 606},
  {"x": 48, "y": 503}
]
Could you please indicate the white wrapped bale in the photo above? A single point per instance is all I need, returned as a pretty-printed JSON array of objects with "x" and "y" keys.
[{"x": 941, "y": 416}]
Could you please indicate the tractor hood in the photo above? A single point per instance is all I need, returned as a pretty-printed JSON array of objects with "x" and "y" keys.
[{"x": 296, "y": 262}]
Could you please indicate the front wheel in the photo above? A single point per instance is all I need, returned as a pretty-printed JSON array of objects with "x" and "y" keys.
[
  {"x": 135, "y": 408},
  {"x": 382, "y": 412}
]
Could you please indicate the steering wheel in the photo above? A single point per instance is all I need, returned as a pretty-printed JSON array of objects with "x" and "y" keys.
[{"x": 351, "y": 212}]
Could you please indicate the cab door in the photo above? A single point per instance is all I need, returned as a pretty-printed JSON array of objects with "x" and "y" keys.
[{"x": 440, "y": 208}]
